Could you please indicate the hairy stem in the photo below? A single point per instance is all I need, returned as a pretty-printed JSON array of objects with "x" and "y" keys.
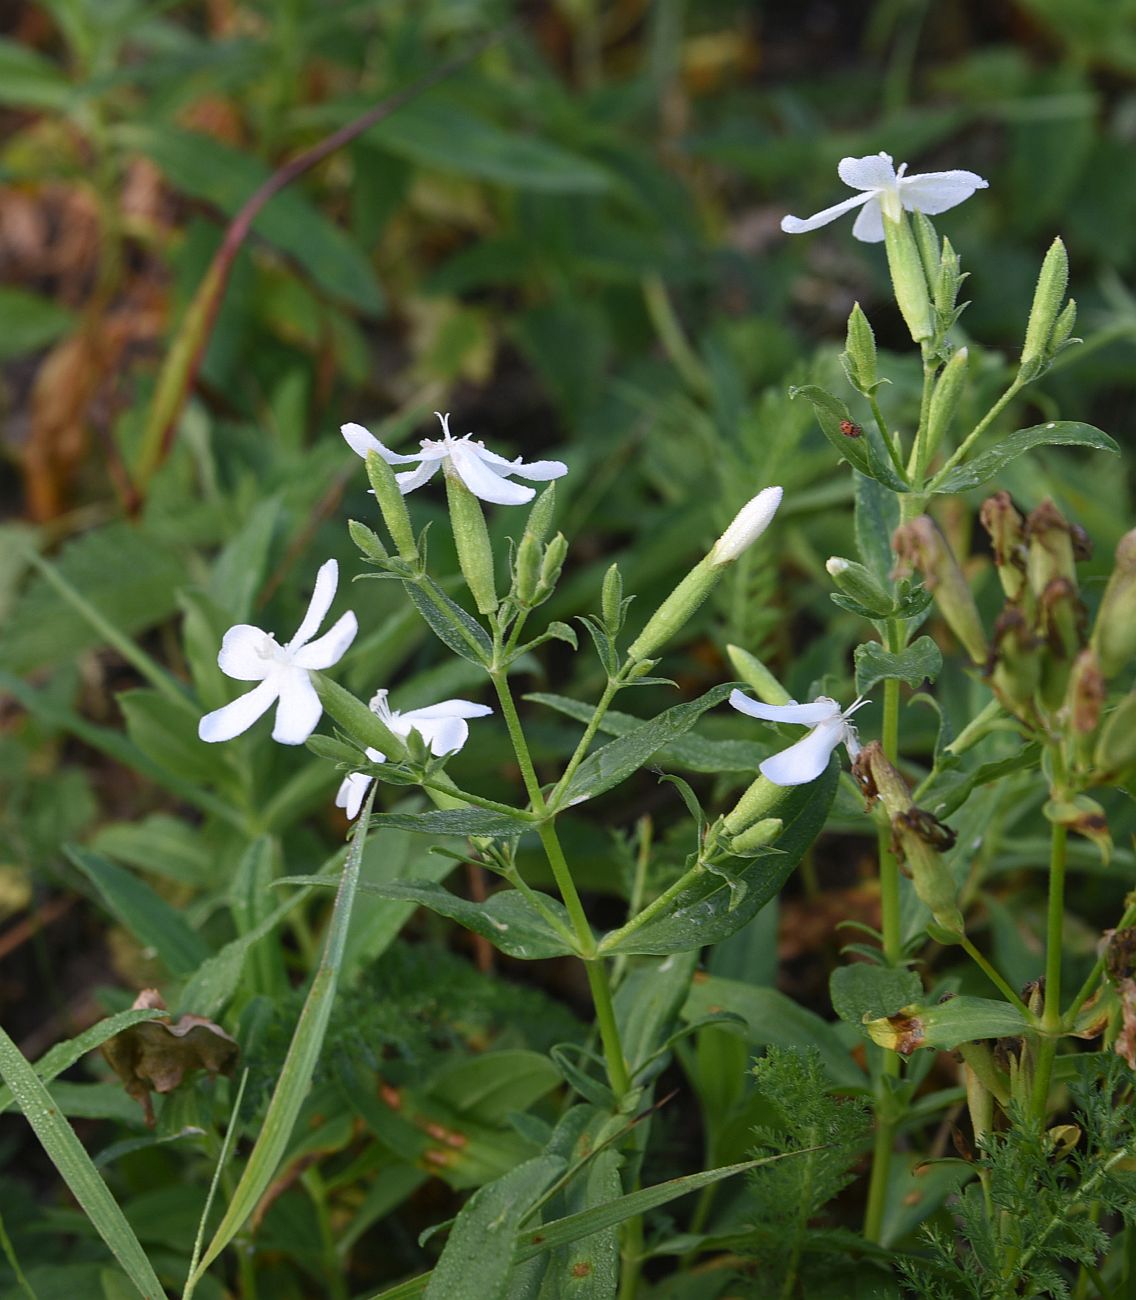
[{"x": 1051, "y": 1015}]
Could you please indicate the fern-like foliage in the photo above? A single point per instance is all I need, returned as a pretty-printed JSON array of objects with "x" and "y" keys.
[
  {"x": 785, "y": 1199},
  {"x": 1036, "y": 1214}
]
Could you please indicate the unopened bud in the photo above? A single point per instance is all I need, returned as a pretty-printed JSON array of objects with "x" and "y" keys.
[
  {"x": 909, "y": 280},
  {"x": 1007, "y": 534},
  {"x": 555, "y": 554},
  {"x": 759, "y": 836},
  {"x": 471, "y": 537},
  {"x": 946, "y": 284},
  {"x": 611, "y": 599},
  {"x": 858, "y": 582},
  {"x": 927, "y": 242},
  {"x": 757, "y": 677},
  {"x": 392, "y": 506},
  {"x": 1063, "y": 328},
  {"x": 1114, "y": 633},
  {"x": 859, "y": 356},
  {"x": 919, "y": 543},
  {"x": 1047, "y": 303},
  {"x": 944, "y": 402},
  {"x": 1049, "y": 547},
  {"x": 1115, "y": 756},
  {"x": 917, "y": 840},
  {"x": 526, "y": 569},
  {"x": 1016, "y": 671},
  {"x": 747, "y": 526},
  {"x": 672, "y": 615},
  {"x": 754, "y": 806},
  {"x": 1086, "y": 694},
  {"x": 367, "y": 541}
]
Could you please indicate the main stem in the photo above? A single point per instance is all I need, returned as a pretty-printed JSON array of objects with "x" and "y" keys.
[
  {"x": 597, "y": 973},
  {"x": 1051, "y": 1015}
]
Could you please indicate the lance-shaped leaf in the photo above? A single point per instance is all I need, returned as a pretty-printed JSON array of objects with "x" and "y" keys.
[
  {"x": 863, "y": 449},
  {"x": 460, "y": 631},
  {"x": 1057, "y": 433},
  {"x": 458, "y": 821}
]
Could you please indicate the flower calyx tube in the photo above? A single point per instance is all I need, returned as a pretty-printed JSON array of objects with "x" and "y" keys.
[{"x": 920, "y": 544}]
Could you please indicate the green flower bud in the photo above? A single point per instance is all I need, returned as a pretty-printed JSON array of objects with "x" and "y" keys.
[
  {"x": 540, "y": 516},
  {"x": 909, "y": 280},
  {"x": 858, "y": 582},
  {"x": 927, "y": 241},
  {"x": 1016, "y": 671},
  {"x": 1086, "y": 693},
  {"x": 757, "y": 677},
  {"x": 668, "y": 620},
  {"x": 758, "y": 836},
  {"x": 947, "y": 282},
  {"x": 859, "y": 356},
  {"x": 920, "y": 544},
  {"x": 392, "y": 506},
  {"x": 1063, "y": 328},
  {"x": 1047, "y": 302},
  {"x": 944, "y": 402},
  {"x": 1114, "y": 633},
  {"x": 754, "y": 806},
  {"x": 1007, "y": 533},
  {"x": 526, "y": 569},
  {"x": 611, "y": 600},
  {"x": 471, "y": 537},
  {"x": 1115, "y": 755},
  {"x": 367, "y": 541},
  {"x": 555, "y": 554},
  {"x": 1050, "y": 552}
]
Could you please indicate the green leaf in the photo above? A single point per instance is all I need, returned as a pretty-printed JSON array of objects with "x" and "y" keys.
[
  {"x": 946, "y": 1024},
  {"x": 128, "y": 576},
  {"x": 689, "y": 753},
  {"x": 299, "y": 1063},
  {"x": 210, "y": 171},
  {"x": 490, "y": 1087},
  {"x": 75, "y": 1167},
  {"x": 608, "y": 766},
  {"x": 866, "y": 452},
  {"x": 772, "y": 1018},
  {"x": 166, "y": 731},
  {"x": 28, "y": 80},
  {"x": 480, "y": 1246},
  {"x": 862, "y": 992},
  {"x": 704, "y": 910},
  {"x": 876, "y": 518},
  {"x": 1057, "y": 433},
  {"x": 450, "y": 137},
  {"x": 507, "y": 918},
  {"x": 457, "y": 821},
  {"x": 27, "y": 321},
  {"x": 147, "y": 916},
  {"x": 921, "y": 661},
  {"x": 460, "y": 631},
  {"x": 64, "y": 1055}
]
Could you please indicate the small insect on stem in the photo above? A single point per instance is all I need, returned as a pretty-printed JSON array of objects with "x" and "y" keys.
[{"x": 850, "y": 430}]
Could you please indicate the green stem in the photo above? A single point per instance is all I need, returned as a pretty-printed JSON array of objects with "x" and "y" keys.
[
  {"x": 1051, "y": 1015},
  {"x": 657, "y": 905},
  {"x": 920, "y": 452},
  {"x": 671, "y": 335},
  {"x": 979, "y": 429},
  {"x": 887, "y": 435},
  {"x": 992, "y": 975},
  {"x": 581, "y": 750},
  {"x": 881, "y": 1161},
  {"x": 597, "y": 974}
]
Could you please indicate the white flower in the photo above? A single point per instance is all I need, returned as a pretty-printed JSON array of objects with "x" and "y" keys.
[
  {"x": 251, "y": 655},
  {"x": 887, "y": 191},
  {"x": 747, "y": 526},
  {"x": 807, "y": 759},
  {"x": 442, "y": 726},
  {"x": 484, "y": 472}
]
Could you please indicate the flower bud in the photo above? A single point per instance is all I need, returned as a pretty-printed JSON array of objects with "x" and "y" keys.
[
  {"x": 917, "y": 837},
  {"x": 555, "y": 554},
  {"x": 859, "y": 356},
  {"x": 909, "y": 280},
  {"x": 668, "y": 620},
  {"x": 754, "y": 806},
  {"x": 611, "y": 600},
  {"x": 392, "y": 506},
  {"x": 1007, "y": 534},
  {"x": 757, "y": 677},
  {"x": 758, "y": 836},
  {"x": 919, "y": 543},
  {"x": 1016, "y": 670},
  {"x": 526, "y": 569},
  {"x": 1050, "y": 552},
  {"x": 367, "y": 541},
  {"x": 747, "y": 526},
  {"x": 1063, "y": 328},
  {"x": 1115, "y": 754},
  {"x": 944, "y": 403},
  {"x": 858, "y": 582},
  {"x": 1047, "y": 302},
  {"x": 1114, "y": 633},
  {"x": 927, "y": 242},
  {"x": 471, "y": 537},
  {"x": 1086, "y": 694},
  {"x": 946, "y": 284}
]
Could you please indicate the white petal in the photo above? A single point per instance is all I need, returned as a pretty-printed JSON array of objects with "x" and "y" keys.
[
  {"x": 443, "y": 735},
  {"x": 232, "y": 719},
  {"x": 937, "y": 191},
  {"x": 351, "y": 793},
  {"x": 807, "y": 759},
  {"x": 361, "y": 441},
  {"x": 327, "y": 579},
  {"x": 483, "y": 482},
  {"x": 537, "y": 470},
  {"x": 873, "y": 172},
  {"x": 869, "y": 225},
  {"x": 448, "y": 709},
  {"x": 747, "y": 526},
  {"x": 331, "y": 647},
  {"x": 299, "y": 710},
  {"x": 246, "y": 653},
  {"x": 820, "y": 710},
  {"x": 414, "y": 478},
  {"x": 798, "y": 225}
]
